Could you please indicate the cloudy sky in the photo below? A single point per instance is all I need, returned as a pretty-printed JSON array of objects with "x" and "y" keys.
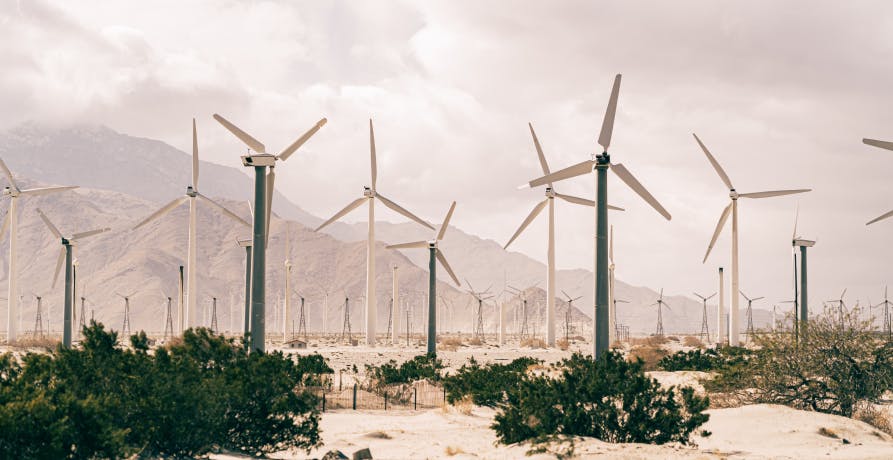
[{"x": 782, "y": 93}]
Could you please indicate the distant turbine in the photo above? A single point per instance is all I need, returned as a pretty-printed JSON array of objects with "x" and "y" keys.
[
  {"x": 551, "y": 194},
  {"x": 66, "y": 255},
  {"x": 705, "y": 330},
  {"x": 369, "y": 195},
  {"x": 599, "y": 166},
  {"x": 434, "y": 253},
  {"x": 749, "y": 314},
  {"x": 660, "y": 320},
  {"x": 264, "y": 186},
  {"x": 733, "y": 208},
  {"x": 841, "y": 306},
  {"x": 14, "y": 192},
  {"x": 191, "y": 264}
]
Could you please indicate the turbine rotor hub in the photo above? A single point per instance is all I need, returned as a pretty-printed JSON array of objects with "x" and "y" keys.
[
  {"x": 550, "y": 192},
  {"x": 191, "y": 192},
  {"x": 368, "y": 192},
  {"x": 733, "y": 194}
]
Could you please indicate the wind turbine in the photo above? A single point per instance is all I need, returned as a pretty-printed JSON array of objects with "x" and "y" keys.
[
  {"x": 733, "y": 208},
  {"x": 749, "y": 313},
  {"x": 660, "y": 319},
  {"x": 798, "y": 241},
  {"x": 287, "y": 266},
  {"x": 567, "y": 315},
  {"x": 599, "y": 166},
  {"x": 370, "y": 193},
  {"x": 125, "y": 329},
  {"x": 478, "y": 329},
  {"x": 66, "y": 255},
  {"x": 888, "y": 327},
  {"x": 434, "y": 253},
  {"x": 705, "y": 330},
  {"x": 191, "y": 195},
  {"x": 11, "y": 221},
  {"x": 264, "y": 186},
  {"x": 551, "y": 194},
  {"x": 841, "y": 306}
]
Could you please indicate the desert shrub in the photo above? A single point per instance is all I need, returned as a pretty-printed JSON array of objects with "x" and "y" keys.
[
  {"x": 486, "y": 385},
  {"x": 693, "y": 360},
  {"x": 314, "y": 370},
  {"x": 650, "y": 355},
  {"x": 875, "y": 417},
  {"x": 610, "y": 399},
  {"x": 533, "y": 343},
  {"x": 837, "y": 367},
  {"x": 104, "y": 401},
  {"x": 562, "y": 344},
  {"x": 692, "y": 341},
  {"x": 651, "y": 341},
  {"x": 475, "y": 341},
  {"x": 421, "y": 367}
]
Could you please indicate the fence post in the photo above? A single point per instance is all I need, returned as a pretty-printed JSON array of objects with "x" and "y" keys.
[
  {"x": 323, "y": 401},
  {"x": 340, "y": 378},
  {"x": 354, "y": 396},
  {"x": 386, "y": 400},
  {"x": 415, "y": 398}
]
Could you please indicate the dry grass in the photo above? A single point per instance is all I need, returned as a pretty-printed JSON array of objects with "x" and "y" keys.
[
  {"x": 378, "y": 435},
  {"x": 450, "y": 344},
  {"x": 475, "y": 341},
  {"x": 876, "y": 418},
  {"x": 533, "y": 343},
  {"x": 692, "y": 341},
  {"x": 651, "y": 341},
  {"x": 828, "y": 433},
  {"x": 563, "y": 344},
  {"x": 46, "y": 343},
  {"x": 649, "y": 354},
  {"x": 464, "y": 405},
  {"x": 452, "y": 450}
]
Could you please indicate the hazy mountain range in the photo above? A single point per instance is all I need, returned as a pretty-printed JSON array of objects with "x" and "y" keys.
[{"x": 123, "y": 179}]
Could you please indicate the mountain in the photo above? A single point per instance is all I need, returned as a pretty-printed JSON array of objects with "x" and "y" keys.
[{"x": 129, "y": 177}]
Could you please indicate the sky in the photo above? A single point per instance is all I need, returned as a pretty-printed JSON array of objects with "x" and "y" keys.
[{"x": 781, "y": 92}]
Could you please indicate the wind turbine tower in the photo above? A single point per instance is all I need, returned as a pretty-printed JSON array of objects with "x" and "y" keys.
[
  {"x": 750, "y": 302},
  {"x": 705, "y": 330},
  {"x": 803, "y": 305},
  {"x": 733, "y": 209},
  {"x": 598, "y": 166},
  {"x": 660, "y": 320}
]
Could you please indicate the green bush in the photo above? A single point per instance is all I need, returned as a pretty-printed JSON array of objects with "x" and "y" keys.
[
  {"x": 705, "y": 360},
  {"x": 485, "y": 384},
  {"x": 102, "y": 401},
  {"x": 610, "y": 399},
  {"x": 421, "y": 367}
]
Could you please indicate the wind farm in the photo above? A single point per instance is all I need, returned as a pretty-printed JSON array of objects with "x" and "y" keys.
[{"x": 139, "y": 320}]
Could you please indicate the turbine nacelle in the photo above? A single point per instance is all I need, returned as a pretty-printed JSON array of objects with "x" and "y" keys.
[
  {"x": 9, "y": 191},
  {"x": 550, "y": 192},
  {"x": 259, "y": 159},
  {"x": 368, "y": 192},
  {"x": 733, "y": 194},
  {"x": 191, "y": 191}
]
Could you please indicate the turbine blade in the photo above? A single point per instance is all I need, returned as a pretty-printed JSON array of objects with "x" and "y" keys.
[
  {"x": 571, "y": 171},
  {"x": 12, "y": 182},
  {"x": 46, "y": 220},
  {"x": 373, "y": 161},
  {"x": 414, "y": 244},
  {"x": 271, "y": 187},
  {"x": 59, "y": 261},
  {"x": 719, "y": 225},
  {"x": 772, "y": 193},
  {"x": 229, "y": 213},
  {"x": 575, "y": 200},
  {"x": 443, "y": 262},
  {"x": 164, "y": 210},
  {"x": 757, "y": 298},
  {"x": 301, "y": 140},
  {"x": 400, "y": 210},
  {"x": 535, "y": 212},
  {"x": 78, "y": 236},
  {"x": 796, "y": 218},
  {"x": 194, "y": 157},
  {"x": 881, "y": 217},
  {"x": 539, "y": 152},
  {"x": 716, "y": 166},
  {"x": 881, "y": 144},
  {"x": 637, "y": 187},
  {"x": 842, "y": 294},
  {"x": 446, "y": 222},
  {"x": 46, "y": 190},
  {"x": 251, "y": 142},
  {"x": 353, "y": 205},
  {"x": 604, "y": 139}
]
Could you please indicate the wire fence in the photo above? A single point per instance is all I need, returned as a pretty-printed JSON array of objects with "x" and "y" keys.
[{"x": 417, "y": 396}]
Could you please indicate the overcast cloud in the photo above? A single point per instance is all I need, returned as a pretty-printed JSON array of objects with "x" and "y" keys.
[{"x": 781, "y": 92}]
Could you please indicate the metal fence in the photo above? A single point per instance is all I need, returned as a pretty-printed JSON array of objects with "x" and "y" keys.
[{"x": 417, "y": 396}]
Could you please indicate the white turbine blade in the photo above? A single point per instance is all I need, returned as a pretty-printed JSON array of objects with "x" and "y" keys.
[
  {"x": 46, "y": 190},
  {"x": 637, "y": 187},
  {"x": 251, "y": 142},
  {"x": 229, "y": 213},
  {"x": 353, "y": 205},
  {"x": 796, "y": 218},
  {"x": 164, "y": 210},
  {"x": 78, "y": 236},
  {"x": 372, "y": 159},
  {"x": 194, "y": 157},
  {"x": 719, "y": 225},
  {"x": 716, "y": 166},
  {"x": 446, "y": 222},
  {"x": 271, "y": 187},
  {"x": 842, "y": 294},
  {"x": 250, "y": 210},
  {"x": 400, "y": 210},
  {"x": 711, "y": 296},
  {"x": 743, "y": 295},
  {"x": 59, "y": 261},
  {"x": 757, "y": 298},
  {"x": 539, "y": 152},
  {"x": 772, "y": 193},
  {"x": 571, "y": 171},
  {"x": 443, "y": 262},
  {"x": 875, "y": 143},
  {"x": 414, "y": 244},
  {"x": 12, "y": 182},
  {"x": 301, "y": 140},
  {"x": 535, "y": 212},
  {"x": 46, "y": 220},
  {"x": 575, "y": 200},
  {"x": 5, "y": 226},
  {"x": 881, "y": 217},
  {"x": 604, "y": 139}
]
